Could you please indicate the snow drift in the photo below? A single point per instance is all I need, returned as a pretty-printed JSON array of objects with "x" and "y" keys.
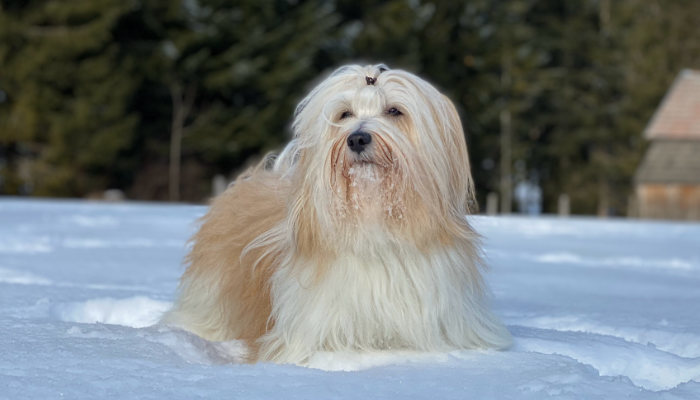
[{"x": 598, "y": 309}]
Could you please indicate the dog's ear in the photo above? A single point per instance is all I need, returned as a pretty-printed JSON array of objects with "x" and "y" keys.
[{"x": 458, "y": 156}]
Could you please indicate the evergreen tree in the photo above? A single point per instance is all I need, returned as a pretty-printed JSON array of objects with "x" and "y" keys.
[
  {"x": 67, "y": 94},
  {"x": 232, "y": 72},
  {"x": 156, "y": 97}
]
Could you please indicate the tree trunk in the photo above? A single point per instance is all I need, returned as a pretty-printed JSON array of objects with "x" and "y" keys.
[
  {"x": 506, "y": 135},
  {"x": 182, "y": 105},
  {"x": 506, "y": 178}
]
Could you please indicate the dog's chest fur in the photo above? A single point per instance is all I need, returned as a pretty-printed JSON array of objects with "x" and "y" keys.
[{"x": 391, "y": 295}]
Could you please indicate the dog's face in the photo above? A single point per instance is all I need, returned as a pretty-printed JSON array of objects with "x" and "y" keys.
[{"x": 381, "y": 147}]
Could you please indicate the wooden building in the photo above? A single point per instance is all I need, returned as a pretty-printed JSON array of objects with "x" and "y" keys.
[{"x": 667, "y": 182}]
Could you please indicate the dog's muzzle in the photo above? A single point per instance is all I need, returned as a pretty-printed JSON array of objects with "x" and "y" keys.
[{"x": 358, "y": 141}]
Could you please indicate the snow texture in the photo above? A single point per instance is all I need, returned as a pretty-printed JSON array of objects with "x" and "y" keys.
[{"x": 599, "y": 309}]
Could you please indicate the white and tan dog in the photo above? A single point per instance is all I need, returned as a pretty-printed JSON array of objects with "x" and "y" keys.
[{"x": 353, "y": 238}]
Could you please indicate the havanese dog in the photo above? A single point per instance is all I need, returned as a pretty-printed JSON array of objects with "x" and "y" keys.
[{"x": 354, "y": 238}]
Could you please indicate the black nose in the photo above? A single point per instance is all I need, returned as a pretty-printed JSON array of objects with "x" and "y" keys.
[{"x": 357, "y": 141}]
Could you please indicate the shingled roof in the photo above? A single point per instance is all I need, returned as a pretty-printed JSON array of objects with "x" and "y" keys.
[{"x": 678, "y": 116}]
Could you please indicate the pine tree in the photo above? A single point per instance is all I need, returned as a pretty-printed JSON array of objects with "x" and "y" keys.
[
  {"x": 68, "y": 90},
  {"x": 232, "y": 73},
  {"x": 156, "y": 97}
]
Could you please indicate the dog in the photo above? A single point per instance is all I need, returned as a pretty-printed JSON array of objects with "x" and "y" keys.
[{"x": 353, "y": 238}]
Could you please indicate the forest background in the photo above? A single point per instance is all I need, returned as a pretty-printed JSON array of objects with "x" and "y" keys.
[{"x": 156, "y": 97}]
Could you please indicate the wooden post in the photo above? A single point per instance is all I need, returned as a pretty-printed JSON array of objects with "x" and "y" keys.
[
  {"x": 632, "y": 206},
  {"x": 218, "y": 185},
  {"x": 563, "y": 205},
  {"x": 492, "y": 203}
]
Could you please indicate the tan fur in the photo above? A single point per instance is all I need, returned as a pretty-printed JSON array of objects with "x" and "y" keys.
[
  {"x": 236, "y": 305},
  {"x": 333, "y": 250}
]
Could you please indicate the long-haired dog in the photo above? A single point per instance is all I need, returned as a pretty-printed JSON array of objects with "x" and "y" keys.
[{"x": 353, "y": 238}]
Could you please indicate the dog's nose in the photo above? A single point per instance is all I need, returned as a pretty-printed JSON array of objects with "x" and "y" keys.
[{"x": 358, "y": 140}]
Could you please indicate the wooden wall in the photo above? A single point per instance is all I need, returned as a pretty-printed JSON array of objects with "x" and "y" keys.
[{"x": 668, "y": 201}]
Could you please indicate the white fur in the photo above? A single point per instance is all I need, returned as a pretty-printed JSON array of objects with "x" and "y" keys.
[
  {"x": 391, "y": 297},
  {"x": 373, "y": 251}
]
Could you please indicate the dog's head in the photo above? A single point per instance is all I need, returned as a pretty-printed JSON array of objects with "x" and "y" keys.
[{"x": 379, "y": 146}]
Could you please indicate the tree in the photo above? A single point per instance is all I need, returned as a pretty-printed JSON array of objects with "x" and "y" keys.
[
  {"x": 156, "y": 97},
  {"x": 68, "y": 90},
  {"x": 233, "y": 72}
]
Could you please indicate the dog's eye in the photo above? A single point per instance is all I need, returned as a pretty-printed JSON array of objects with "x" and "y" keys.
[
  {"x": 346, "y": 114},
  {"x": 394, "y": 112}
]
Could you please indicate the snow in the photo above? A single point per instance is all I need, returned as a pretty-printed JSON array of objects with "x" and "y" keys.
[
  {"x": 598, "y": 309},
  {"x": 136, "y": 312}
]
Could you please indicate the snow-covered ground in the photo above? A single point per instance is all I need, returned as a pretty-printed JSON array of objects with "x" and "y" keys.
[{"x": 598, "y": 309}]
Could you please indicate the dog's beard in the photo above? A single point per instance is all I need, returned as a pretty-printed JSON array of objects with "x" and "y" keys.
[
  {"x": 411, "y": 183},
  {"x": 367, "y": 187}
]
